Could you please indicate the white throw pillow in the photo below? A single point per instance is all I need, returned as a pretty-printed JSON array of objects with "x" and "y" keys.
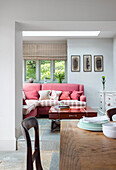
[
  {"x": 44, "y": 94},
  {"x": 55, "y": 95}
]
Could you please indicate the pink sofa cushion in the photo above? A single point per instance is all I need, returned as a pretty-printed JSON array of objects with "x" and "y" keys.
[
  {"x": 83, "y": 98},
  {"x": 75, "y": 95},
  {"x": 63, "y": 87},
  {"x": 65, "y": 95},
  {"x": 31, "y": 86},
  {"x": 31, "y": 95}
]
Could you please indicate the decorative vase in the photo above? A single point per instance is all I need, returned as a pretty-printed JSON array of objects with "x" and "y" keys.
[
  {"x": 103, "y": 82},
  {"x": 60, "y": 80},
  {"x": 103, "y": 85},
  {"x": 45, "y": 80}
]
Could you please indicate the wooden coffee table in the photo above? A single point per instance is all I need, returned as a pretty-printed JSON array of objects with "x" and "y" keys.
[{"x": 73, "y": 112}]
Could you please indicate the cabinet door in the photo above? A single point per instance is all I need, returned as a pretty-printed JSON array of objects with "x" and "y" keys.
[
  {"x": 109, "y": 99},
  {"x": 101, "y": 102},
  {"x": 101, "y": 95},
  {"x": 114, "y": 99}
]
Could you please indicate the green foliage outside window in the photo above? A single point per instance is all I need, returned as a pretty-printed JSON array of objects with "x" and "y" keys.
[
  {"x": 59, "y": 69},
  {"x": 45, "y": 69},
  {"x": 31, "y": 69}
]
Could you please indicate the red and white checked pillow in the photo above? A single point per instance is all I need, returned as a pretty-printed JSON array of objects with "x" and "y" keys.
[{"x": 55, "y": 95}]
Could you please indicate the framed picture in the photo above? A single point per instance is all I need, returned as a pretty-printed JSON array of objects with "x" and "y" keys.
[
  {"x": 75, "y": 63},
  {"x": 87, "y": 63},
  {"x": 98, "y": 63}
]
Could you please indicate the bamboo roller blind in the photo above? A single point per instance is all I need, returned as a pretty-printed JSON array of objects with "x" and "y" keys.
[{"x": 45, "y": 51}]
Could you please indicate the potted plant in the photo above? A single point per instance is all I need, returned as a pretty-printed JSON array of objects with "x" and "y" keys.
[{"x": 60, "y": 76}]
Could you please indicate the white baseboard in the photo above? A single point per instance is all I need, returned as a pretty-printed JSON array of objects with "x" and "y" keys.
[{"x": 8, "y": 145}]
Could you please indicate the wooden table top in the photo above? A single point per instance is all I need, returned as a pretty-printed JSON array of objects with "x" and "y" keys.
[
  {"x": 73, "y": 109},
  {"x": 85, "y": 150}
]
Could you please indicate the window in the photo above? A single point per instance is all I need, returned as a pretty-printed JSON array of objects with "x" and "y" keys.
[
  {"x": 30, "y": 69},
  {"x": 45, "y": 59},
  {"x": 59, "y": 69},
  {"x": 38, "y": 69},
  {"x": 45, "y": 69}
]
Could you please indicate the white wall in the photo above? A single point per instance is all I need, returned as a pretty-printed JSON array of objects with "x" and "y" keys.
[
  {"x": 54, "y": 10},
  {"x": 18, "y": 78},
  {"x": 7, "y": 86},
  {"x": 91, "y": 80},
  {"x": 114, "y": 62}
]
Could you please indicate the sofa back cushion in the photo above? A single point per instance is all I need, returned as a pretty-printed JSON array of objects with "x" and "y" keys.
[
  {"x": 31, "y": 87},
  {"x": 32, "y": 95},
  {"x": 63, "y": 87}
]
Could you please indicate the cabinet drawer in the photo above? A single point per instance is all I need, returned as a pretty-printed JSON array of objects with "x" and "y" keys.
[
  {"x": 109, "y": 98},
  {"x": 71, "y": 116},
  {"x": 108, "y": 104},
  {"x": 53, "y": 116},
  {"x": 91, "y": 115}
]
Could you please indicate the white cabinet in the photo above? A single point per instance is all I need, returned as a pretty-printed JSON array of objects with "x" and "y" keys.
[{"x": 107, "y": 100}]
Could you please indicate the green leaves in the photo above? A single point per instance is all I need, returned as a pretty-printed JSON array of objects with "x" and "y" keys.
[
  {"x": 31, "y": 69},
  {"x": 45, "y": 69}
]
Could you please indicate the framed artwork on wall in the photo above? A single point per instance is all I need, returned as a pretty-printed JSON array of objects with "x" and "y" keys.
[
  {"x": 75, "y": 63},
  {"x": 98, "y": 63},
  {"x": 87, "y": 63}
]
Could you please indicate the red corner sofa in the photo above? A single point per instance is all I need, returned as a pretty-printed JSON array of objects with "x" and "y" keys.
[{"x": 41, "y": 107}]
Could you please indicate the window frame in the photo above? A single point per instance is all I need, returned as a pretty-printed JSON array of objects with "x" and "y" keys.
[{"x": 38, "y": 72}]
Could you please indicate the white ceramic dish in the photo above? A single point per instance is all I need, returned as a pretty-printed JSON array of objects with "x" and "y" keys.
[
  {"x": 109, "y": 129},
  {"x": 89, "y": 128},
  {"x": 114, "y": 117}
]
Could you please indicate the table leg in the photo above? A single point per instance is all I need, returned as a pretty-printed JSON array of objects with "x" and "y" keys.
[{"x": 55, "y": 125}]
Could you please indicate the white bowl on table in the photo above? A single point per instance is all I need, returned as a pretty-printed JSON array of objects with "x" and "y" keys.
[
  {"x": 114, "y": 117},
  {"x": 109, "y": 129}
]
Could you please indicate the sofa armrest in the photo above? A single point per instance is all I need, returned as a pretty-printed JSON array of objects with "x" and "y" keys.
[
  {"x": 27, "y": 109},
  {"x": 83, "y": 98}
]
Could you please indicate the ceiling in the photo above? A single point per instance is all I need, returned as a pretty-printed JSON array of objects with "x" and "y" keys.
[{"x": 107, "y": 29}]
